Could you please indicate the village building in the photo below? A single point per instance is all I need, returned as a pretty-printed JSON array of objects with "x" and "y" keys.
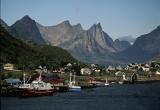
[
  {"x": 60, "y": 70},
  {"x": 119, "y": 68},
  {"x": 8, "y": 66},
  {"x": 110, "y": 68},
  {"x": 69, "y": 65},
  {"x": 145, "y": 69},
  {"x": 85, "y": 71},
  {"x": 94, "y": 65},
  {"x": 157, "y": 72}
]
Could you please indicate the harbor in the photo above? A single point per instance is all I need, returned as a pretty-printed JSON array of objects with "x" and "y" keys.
[
  {"x": 49, "y": 88},
  {"x": 115, "y": 97},
  {"x": 43, "y": 89},
  {"x": 44, "y": 82},
  {"x": 80, "y": 55}
]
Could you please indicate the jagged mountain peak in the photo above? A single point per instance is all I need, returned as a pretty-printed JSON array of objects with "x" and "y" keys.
[
  {"x": 99, "y": 25},
  {"x": 78, "y": 26},
  {"x": 96, "y": 27},
  {"x": 26, "y": 18},
  {"x": 27, "y": 29},
  {"x": 65, "y": 23},
  {"x": 102, "y": 39}
]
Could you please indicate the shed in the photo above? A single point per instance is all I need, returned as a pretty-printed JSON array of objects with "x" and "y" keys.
[{"x": 13, "y": 82}]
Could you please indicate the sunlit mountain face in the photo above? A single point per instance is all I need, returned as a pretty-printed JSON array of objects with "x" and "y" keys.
[{"x": 92, "y": 45}]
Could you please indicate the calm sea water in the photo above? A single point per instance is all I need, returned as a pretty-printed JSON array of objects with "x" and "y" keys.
[{"x": 116, "y": 97}]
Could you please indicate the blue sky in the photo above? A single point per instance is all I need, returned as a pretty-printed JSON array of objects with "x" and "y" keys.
[{"x": 117, "y": 17}]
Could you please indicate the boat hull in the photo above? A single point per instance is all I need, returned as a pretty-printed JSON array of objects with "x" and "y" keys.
[
  {"x": 74, "y": 89},
  {"x": 106, "y": 84},
  {"x": 35, "y": 92}
]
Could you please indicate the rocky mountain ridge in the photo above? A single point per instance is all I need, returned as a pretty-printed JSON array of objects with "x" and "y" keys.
[{"x": 92, "y": 45}]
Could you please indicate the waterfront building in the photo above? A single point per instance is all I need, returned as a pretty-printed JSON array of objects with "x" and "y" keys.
[{"x": 8, "y": 66}]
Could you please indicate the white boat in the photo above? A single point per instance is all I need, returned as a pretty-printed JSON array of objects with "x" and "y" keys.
[
  {"x": 106, "y": 83},
  {"x": 71, "y": 86},
  {"x": 35, "y": 88},
  {"x": 74, "y": 88},
  {"x": 120, "y": 82}
]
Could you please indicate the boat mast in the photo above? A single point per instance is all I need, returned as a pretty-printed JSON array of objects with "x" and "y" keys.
[
  {"x": 40, "y": 73},
  {"x": 40, "y": 76},
  {"x": 74, "y": 78},
  {"x": 70, "y": 79},
  {"x": 24, "y": 78}
]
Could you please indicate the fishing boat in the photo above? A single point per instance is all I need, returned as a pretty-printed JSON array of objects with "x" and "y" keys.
[
  {"x": 71, "y": 86},
  {"x": 35, "y": 88}
]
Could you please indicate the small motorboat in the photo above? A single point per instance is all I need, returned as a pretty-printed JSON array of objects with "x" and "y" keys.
[{"x": 71, "y": 86}]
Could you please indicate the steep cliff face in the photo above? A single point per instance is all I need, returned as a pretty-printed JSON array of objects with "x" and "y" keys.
[
  {"x": 101, "y": 38},
  {"x": 26, "y": 29},
  {"x": 78, "y": 42},
  {"x": 89, "y": 43},
  {"x": 56, "y": 35},
  {"x": 92, "y": 45}
]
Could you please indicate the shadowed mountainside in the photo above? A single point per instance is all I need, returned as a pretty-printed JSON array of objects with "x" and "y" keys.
[{"x": 16, "y": 51}]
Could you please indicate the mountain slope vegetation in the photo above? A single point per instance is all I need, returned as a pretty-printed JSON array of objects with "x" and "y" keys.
[{"x": 30, "y": 56}]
